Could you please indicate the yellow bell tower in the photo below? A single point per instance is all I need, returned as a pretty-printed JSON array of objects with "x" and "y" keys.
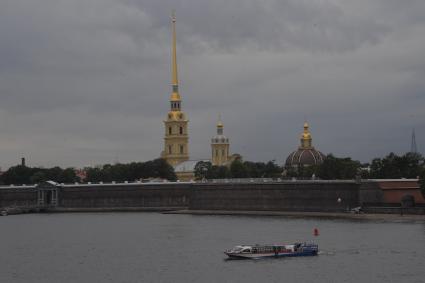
[
  {"x": 220, "y": 147},
  {"x": 176, "y": 140}
]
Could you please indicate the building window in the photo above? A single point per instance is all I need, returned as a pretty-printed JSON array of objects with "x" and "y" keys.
[
  {"x": 222, "y": 152},
  {"x": 216, "y": 153},
  {"x": 181, "y": 130},
  {"x": 169, "y": 149},
  {"x": 169, "y": 130}
]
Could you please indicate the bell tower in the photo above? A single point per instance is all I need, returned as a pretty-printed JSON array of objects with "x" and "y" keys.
[
  {"x": 219, "y": 147},
  {"x": 176, "y": 140}
]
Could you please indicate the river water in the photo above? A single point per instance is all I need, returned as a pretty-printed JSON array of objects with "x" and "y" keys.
[{"x": 154, "y": 247}]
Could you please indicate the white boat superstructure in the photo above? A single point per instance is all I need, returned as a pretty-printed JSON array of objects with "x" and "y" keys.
[{"x": 260, "y": 251}]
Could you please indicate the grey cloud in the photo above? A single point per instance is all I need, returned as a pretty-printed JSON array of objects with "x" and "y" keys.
[{"x": 86, "y": 82}]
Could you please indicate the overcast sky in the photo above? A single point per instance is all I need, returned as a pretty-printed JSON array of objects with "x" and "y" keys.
[{"x": 87, "y": 82}]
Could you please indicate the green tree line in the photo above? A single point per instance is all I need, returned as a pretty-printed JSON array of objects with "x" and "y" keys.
[
  {"x": 22, "y": 174},
  {"x": 238, "y": 169},
  {"x": 392, "y": 166},
  {"x": 157, "y": 168}
]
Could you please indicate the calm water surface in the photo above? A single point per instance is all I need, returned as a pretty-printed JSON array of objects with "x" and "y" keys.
[{"x": 154, "y": 247}]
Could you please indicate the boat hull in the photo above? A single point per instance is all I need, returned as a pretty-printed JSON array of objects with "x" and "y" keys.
[
  {"x": 269, "y": 255},
  {"x": 256, "y": 252}
]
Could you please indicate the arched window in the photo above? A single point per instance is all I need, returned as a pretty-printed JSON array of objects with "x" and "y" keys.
[
  {"x": 170, "y": 130},
  {"x": 181, "y": 130}
]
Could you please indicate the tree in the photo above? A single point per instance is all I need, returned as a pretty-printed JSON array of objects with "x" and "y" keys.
[
  {"x": 157, "y": 168},
  {"x": 218, "y": 172},
  {"x": 164, "y": 170},
  {"x": 393, "y": 166},
  {"x": 238, "y": 169},
  {"x": 17, "y": 175},
  {"x": 202, "y": 169},
  {"x": 68, "y": 175},
  {"x": 272, "y": 170},
  {"x": 338, "y": 168},
  {"x": 38, "y": 177}
]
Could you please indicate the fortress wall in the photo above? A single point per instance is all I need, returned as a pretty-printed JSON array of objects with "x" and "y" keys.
[
  {"x": 120, "y": 195},
  {"x": 18, "y": 196},
  {"x": 370, "y": 193},
  {"x": 284, "y": 196},
  {"x": 261, "y": 196}
]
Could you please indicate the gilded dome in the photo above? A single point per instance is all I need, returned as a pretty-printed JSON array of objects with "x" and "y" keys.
[{"x": 306, "y": 154}]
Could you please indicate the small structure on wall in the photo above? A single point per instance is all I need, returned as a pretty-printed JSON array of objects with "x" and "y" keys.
[{"x": 48, "y": 194}]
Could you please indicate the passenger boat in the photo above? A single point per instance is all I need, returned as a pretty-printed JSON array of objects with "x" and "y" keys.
[{"x": 263, "y": 251}]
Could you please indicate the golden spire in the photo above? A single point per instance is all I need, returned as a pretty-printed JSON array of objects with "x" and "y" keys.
[
  {"x": 306, "y": 137},
  {"x": 175, "y": 96}
]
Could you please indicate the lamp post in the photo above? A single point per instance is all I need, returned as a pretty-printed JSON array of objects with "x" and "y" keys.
[{"x": 339, "y": 201}]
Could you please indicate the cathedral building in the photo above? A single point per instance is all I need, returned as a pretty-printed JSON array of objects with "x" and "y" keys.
[
  {"x": 176, "y": 140},
  {"x": 306, "y": 154},
  {"x": 176, "y": 136}
]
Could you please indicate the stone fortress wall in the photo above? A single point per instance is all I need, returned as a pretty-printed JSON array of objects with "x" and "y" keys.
[
  {"x": 271, "y": 196},
  {"x": 231, "y": 195}
]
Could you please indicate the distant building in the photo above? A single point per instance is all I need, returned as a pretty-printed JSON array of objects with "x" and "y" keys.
[
  {"x": 220, "y": 147},
  {"x": 306, "y": 154},
  {"x": 413, "y": 147},
  {"x": 185, "y": 170},
  {"x": 393, "y": 190}
]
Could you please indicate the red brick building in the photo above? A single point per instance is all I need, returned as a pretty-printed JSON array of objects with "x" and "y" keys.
[{"x": 394, "y": 189}]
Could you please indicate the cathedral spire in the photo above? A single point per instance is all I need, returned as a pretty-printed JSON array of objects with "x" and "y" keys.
[{"x": 175, "y": 96}]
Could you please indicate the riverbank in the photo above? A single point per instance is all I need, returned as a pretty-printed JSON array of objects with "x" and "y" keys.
[
  {"x": 183, "y": 210},
  {"x": 23, "y": 210},
  {"x": 320, "y": 215}
]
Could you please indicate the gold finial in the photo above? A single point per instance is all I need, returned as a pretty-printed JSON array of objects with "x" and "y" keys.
[
  {"x": 306, "y": 137},
  {"x": 219, "y": 124},
  {"x": 174, "y": 81}
]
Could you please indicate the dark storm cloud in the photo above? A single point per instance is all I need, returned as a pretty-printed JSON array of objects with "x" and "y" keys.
[{"x": 87, "y": 82}]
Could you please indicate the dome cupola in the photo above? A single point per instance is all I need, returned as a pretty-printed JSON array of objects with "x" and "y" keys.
[{"x": 306, "y": 155}]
